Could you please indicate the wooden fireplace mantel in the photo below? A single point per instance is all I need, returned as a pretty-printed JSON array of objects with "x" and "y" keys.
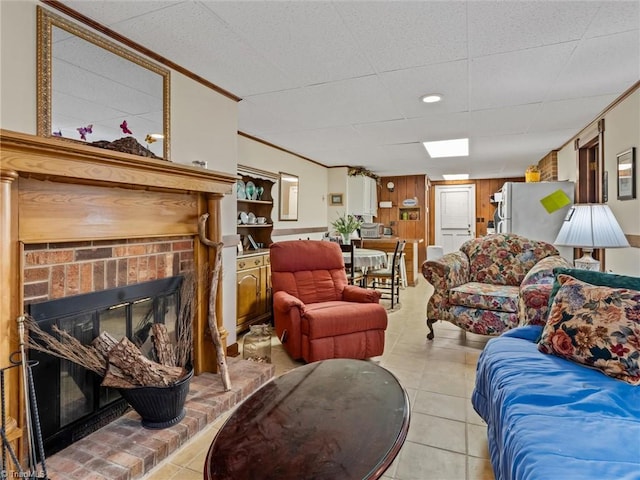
[
  {"x": 53, "y": 190},
  {"x": 75, "y": 162}
]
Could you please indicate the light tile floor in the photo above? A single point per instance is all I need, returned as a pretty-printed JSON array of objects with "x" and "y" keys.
[{"x": 446, "y": 440}]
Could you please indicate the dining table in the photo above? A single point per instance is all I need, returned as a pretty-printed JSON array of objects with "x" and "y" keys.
[{"x": 365, "y": 258}]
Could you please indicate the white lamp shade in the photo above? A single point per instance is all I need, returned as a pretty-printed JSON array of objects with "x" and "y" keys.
[{"x": 590, "y": 226}]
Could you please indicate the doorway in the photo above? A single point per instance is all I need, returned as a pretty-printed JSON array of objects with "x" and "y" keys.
[
  {"x": 455, "y": 219},
  {"x": 590, "y": 175}
]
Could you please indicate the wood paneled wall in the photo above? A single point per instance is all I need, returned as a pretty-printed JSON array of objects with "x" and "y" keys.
[
  {"x": 407, "y": 186},
  {"x": 484, "y": 208}
]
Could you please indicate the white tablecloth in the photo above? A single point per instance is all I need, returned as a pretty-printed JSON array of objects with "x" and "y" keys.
[{"x": 366, "y": 258}]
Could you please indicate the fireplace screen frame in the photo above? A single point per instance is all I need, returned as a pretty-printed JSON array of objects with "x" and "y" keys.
[{"x": 64, "y": 420}]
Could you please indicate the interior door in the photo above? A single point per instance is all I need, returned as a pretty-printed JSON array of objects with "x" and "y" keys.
[{"x": 455, "y": 215}]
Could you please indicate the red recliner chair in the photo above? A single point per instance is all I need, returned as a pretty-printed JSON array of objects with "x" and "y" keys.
[{"x": 317, "y": 314}]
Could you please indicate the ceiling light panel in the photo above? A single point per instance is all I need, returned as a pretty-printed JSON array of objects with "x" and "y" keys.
[
  {"x": 458, "y": 147},
  {"x": 455, "y": 176}
]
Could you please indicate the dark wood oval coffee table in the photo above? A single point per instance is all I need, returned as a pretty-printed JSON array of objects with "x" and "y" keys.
[{"x": 334, "y": 419}]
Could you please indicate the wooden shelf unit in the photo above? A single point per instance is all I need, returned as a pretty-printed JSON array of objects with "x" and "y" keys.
[
  {"x": 261, "y": 233},
  {"x": 253, "y": 268}
]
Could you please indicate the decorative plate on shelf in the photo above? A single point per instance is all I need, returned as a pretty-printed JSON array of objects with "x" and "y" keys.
[
  {"x": 250, "y": 190},
  {"x": 259, "y": 192},
  {"x": 240, "y": 190},
  {"x": 243, "y": 217},
  {"x": 251, "y": 218}
]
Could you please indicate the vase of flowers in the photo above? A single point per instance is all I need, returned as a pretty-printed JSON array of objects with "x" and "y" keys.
[{"x": 345, "y": 225}]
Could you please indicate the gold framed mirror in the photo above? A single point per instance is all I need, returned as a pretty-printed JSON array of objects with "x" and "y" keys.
[
  {"x": 289, "y": 184},
  {"x": 98, "y": 92}
]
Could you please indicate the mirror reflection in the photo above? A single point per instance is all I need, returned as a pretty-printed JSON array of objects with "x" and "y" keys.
[
  {"x": 288, "y": 197},
  {"x": 95, "y": 91}
]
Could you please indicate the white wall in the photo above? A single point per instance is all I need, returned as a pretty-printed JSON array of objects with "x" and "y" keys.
[
  {"x": 338, "y": 183},
  {"x": 622, "y": 130},
  {"x": 204, "y": 126},
  {"x": 18, "y": 66},
  {"x": 312, "y": 202}
]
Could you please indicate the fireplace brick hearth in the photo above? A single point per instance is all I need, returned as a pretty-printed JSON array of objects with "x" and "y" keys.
[{"x": 124, "y": 450}]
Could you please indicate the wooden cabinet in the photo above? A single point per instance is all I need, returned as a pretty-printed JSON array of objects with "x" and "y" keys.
[
  {"x": 362, "y": 196},
  {"x": 253, "y": 290},
  {"x": 253, "y": 287}
]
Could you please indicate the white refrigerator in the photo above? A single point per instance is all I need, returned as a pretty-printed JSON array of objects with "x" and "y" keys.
[{"x": 520, "y": 211}]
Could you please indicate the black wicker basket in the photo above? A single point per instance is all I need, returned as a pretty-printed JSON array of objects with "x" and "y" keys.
[{"x": 159, "y": 407}]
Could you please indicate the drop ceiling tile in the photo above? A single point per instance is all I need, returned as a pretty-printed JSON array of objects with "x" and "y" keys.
[
  {"x": 516, "y": 78},
  {"x": 497, "y": 27},
  {"x": 503, "y": 120},
  {"x": 533, "y": 145},
  {"x": 332, "y": 104},
  {"x": 306, "y": 41},
  {"x": 381, "y": 159},
  {"x": 397, "y": 35},
  {"x": 435, "y": 168},
  {"x": 569, "y": 114},
  {"x": 441, "y": 127},
  {"x": 321, "y": 139},
  {"x": 387, "y": 132},
  {"x": 113, "y": 11},
  {"x": 625, "y": 16},
  {"x": 259, "y": 120},
  {"x": 407, "y": 87},
  {"x": 599, "y": 66},
  {"x": 199, "y": 41}
]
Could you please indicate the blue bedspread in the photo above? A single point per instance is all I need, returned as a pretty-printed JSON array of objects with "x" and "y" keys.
[{"x": 550, "y": 418}]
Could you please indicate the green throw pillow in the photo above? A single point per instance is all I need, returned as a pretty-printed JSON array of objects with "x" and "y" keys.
[{"x": 594, "y": 278}]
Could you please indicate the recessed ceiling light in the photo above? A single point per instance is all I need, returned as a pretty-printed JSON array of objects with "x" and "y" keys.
[
  {"x": 448, "y": 148},
  {"x": 431, "y": 98},
  {"x": 455, "y": 176}
]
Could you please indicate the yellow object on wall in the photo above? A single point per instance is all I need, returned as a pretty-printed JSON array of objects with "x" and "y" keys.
[{"x": 532, "y": 174}]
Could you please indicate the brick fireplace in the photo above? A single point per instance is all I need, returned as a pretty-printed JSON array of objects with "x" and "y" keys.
[
  {"x": 58, "y": 270},
  {"x": 76, "y": 219}
]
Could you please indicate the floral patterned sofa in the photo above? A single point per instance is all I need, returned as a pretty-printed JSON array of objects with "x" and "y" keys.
[{"x": 492, "y": 284}]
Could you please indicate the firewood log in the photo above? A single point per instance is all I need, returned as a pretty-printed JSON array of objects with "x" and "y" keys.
[
  {"x": 126, "y": 356},
  {"x": 116, "y": 378},
  {"x": 162, "y": 345},
  {"x": 103, "y": 343}
]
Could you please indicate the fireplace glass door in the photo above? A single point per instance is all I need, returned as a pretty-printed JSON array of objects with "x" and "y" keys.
[
  {"x": 70, "y": 400},
  {"x": 76, "y": 383}
]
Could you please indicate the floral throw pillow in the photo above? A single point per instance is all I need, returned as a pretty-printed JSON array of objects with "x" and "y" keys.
[{"x": 596, "y": 326}]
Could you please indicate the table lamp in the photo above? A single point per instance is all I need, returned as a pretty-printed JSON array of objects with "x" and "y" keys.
[{"x": 590, "y": 226}]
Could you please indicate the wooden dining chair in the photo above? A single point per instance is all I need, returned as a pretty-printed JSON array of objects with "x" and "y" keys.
[
  {"x": 355, "y": 276},
  {"x": 388, "y": 280},
  {"x": 356, "y": 242}
]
